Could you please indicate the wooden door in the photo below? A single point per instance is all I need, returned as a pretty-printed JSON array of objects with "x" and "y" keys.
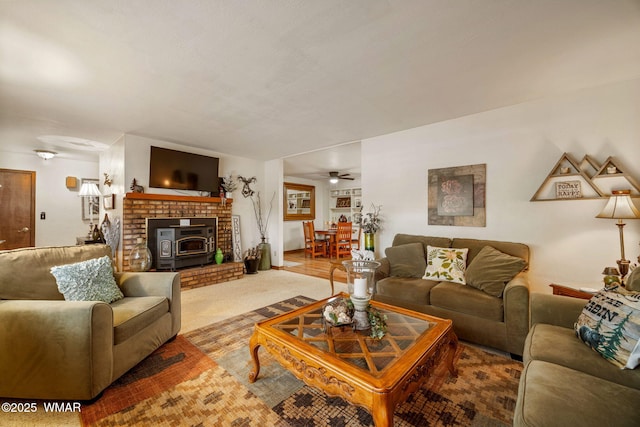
[{"x": 17, "y": 208}]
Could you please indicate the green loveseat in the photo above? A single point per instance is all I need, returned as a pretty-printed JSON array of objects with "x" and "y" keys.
[
  {"x": 566, "y": 383},
  {"x": 500, "y": 320},
  {"x": 56, "y": 349}
]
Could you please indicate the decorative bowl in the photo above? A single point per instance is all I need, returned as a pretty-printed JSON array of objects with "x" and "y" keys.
[{"x": 337, "y": 312}]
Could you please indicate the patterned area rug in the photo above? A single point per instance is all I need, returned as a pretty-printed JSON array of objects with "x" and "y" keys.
[{"x": 201, "y": 379}]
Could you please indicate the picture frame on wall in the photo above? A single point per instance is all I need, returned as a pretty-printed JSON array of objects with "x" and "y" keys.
[
  {"x": 456, "y": 196},
  {"x": 109, "y": 201}
]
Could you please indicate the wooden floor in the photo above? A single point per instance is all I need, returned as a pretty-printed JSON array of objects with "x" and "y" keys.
[{"x": 318, "y": 267}]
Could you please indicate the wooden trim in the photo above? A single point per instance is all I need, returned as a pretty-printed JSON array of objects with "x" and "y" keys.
[
  {"x": 173, "y": 198},
  {"x": 570, "y": 292}
]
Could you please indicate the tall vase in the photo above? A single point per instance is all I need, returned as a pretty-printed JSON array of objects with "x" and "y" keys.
[
  {"x": 368, "y": 241},
  {"x": 265, "y": 258}
]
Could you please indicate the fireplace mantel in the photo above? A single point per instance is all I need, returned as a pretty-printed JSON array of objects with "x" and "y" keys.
[{"x": 174, "y": 198}]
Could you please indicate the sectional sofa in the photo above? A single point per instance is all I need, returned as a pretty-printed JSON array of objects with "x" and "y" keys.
[{"x": 564, "y": 381}]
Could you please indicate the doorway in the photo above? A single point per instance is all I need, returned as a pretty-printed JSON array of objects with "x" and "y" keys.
[{"x": 17, "y": 208}]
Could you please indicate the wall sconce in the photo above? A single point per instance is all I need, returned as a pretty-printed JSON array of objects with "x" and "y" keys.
[
  {"x": 620, "y": 207},
  {"x": 45, "y": 154}
]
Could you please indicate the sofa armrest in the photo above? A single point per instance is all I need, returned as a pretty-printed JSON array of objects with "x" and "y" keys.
[
  {"x": 516, "y": 312},
  {"x": 384, "y": 270},
  {"x": 164, "y": 284},
  {"x": 55, "y": 349},
  {"x": 555, "y": 309}
]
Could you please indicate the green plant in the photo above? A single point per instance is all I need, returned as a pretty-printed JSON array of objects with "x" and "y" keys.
[
  {"x": 371, "y": 222},
  {"x": 378, "y": 322}
]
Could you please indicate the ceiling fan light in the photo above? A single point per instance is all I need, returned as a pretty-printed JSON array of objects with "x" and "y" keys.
[
  {"x": 333, "y": 180},
  {"x": 45, "y": 154}
]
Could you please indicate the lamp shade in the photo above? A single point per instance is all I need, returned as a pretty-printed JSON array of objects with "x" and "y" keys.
[
  {"x": 89, "y": 189},
  {"x": 619, "y": 206}
]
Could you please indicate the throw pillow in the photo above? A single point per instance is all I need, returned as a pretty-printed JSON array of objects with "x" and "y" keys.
[
  {"x": 610, "y": 324},
  {"x": 406, "y": 260},
  {"x": 90, "y": 280},
  {"x": 446, "y": 264},
  {"x": 632, "y": 281},
  {"x": 491, "y": 269}
]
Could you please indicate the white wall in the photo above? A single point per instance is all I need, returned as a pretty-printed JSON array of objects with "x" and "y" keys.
[
  {"x": 63, "y": 207},
  {"x": 137, "y": 156},
  {"x": 520, "y": 145}
]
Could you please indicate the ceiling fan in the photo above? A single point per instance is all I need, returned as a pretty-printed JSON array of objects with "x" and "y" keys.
[{"x": 335, "y": 176}]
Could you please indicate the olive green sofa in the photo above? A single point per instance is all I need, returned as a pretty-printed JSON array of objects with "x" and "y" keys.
[
  {"x": 566, "y": 383},
  {"x": 56, "y": 349},
  {"x": 501, "y": 322}
]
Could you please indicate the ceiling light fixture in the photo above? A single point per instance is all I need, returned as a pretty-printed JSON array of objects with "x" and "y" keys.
[
  {"x": 45, "y": 154},
  {"x": 333, "y": 180}
]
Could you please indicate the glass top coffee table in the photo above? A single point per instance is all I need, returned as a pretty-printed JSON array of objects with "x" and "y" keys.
[{"x": 375, "y": 374}]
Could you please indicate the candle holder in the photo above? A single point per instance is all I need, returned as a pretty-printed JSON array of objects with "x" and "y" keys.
[{"x": 362, "y": 286}]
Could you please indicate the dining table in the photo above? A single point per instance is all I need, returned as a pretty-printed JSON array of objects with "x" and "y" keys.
[{"x": 329, "y": 235}]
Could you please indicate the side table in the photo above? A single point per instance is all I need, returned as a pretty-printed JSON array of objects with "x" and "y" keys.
[
  {"x": 332, "y": 268},
  {"x": 570, "y": 292}
]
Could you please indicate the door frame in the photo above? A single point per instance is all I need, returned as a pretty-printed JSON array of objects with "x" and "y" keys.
[{"x": 32, "y": 219}]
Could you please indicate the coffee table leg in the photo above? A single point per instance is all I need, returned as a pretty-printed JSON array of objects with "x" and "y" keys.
[
  {"x": 254, "y": 346},
  {"x": 382, "y": 414},
  {"x": 453, "y": 348}
]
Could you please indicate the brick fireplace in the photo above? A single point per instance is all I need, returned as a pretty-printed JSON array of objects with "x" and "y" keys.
[{"x": 138, "y": 207}]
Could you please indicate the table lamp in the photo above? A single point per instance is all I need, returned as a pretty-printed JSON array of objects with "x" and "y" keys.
[
  {"x": 90, "y": 190},
  {"x": 620, "y": 207}
]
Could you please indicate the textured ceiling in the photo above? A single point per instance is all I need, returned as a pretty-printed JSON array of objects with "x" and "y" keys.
[{"x": 269, "y": 79}]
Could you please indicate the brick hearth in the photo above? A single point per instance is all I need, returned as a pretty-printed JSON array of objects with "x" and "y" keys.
[{"x": 137, "y": 207}]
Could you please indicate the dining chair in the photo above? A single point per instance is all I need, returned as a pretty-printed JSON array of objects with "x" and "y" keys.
[
  {"x": 312, "y": 246},
  {"x": 342, "y": 242},
  {"x": 355, "y": 243}
]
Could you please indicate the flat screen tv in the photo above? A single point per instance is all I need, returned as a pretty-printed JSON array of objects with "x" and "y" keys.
[{"x": 183, "y": 171}]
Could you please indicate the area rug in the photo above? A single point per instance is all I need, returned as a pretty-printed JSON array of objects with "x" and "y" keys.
[{"x": 201, "y": 379}]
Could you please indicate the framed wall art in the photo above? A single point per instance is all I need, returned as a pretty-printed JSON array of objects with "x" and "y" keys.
[
  {"x": 108, "y": 201},
  {"x": 456, "y": 196}
]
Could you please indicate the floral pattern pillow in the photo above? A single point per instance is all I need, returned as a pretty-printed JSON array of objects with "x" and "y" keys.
[{"x": 448, "y": 264}]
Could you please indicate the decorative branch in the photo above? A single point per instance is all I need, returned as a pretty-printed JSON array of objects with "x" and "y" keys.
[{"x": 263, "y": 224}]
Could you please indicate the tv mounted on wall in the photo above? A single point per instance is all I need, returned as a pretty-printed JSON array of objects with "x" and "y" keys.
[{"x": 183, "y": 171}]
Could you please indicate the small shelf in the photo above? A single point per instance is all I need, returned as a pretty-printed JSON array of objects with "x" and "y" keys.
[
  {"x": 584, "y": 180},
  {"x": 347, "y": 202}
]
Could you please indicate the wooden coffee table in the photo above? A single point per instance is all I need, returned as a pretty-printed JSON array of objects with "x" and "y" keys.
[{"x": 375, "y": 374}]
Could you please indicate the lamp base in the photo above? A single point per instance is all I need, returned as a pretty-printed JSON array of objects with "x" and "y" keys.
[{"x": 623, "y": 267}]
